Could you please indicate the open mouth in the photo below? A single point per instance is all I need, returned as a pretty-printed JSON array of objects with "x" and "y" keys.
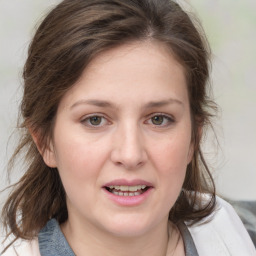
[{"x": 127, "y": 190}]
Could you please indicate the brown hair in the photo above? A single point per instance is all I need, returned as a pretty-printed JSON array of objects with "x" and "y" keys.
[{"x": 70, "y": 36}]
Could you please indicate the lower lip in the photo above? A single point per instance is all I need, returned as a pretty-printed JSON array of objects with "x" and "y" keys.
[{"x": 128, "y": 200}]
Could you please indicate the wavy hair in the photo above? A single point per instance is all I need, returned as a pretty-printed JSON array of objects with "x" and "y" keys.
[{"x": 69, "y": 37}]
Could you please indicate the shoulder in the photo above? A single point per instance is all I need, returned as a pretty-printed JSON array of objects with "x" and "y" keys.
[
  {"x": 222, "y": 233},
  {"x": 23, "y": 248}
]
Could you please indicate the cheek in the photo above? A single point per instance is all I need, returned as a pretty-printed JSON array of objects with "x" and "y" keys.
[
  {"x": 171, "y": 163},
  {"x": 79, "y": 167},
  {"x": 78, "y": 159},
  {"x": 171, "y": 157}
]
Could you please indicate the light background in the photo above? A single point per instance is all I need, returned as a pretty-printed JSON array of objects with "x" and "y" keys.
[{"x": 231, "y": 29}]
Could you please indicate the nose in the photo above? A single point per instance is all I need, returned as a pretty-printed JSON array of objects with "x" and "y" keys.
[{"x": 128, "y": 148}]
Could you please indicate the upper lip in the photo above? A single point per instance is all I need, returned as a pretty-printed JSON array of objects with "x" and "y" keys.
[{"x": 124, "y": 182}]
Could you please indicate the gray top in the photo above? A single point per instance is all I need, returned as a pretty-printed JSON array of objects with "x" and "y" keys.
[
  {"x": 189, "y": 244},
  {"x": 52, "y": 242}
]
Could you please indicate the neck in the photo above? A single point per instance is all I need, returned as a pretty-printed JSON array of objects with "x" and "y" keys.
[{"x": 97, "y": 242}]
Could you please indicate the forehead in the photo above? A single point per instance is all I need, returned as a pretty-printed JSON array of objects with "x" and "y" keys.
[
  {"x": 137, "y": 71},
  {"x": 146, "y": 54}
]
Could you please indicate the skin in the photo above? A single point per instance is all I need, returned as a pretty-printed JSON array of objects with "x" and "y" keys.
[{"x": 123, "y": 85}]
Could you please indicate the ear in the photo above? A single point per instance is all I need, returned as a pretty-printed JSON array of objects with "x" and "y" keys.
[{"x": 47, "y": 152}]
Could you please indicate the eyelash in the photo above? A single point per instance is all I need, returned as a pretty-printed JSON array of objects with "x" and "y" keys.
[
  {"x": 86, "y": 120},
  {"x": 166, "y": 118}
]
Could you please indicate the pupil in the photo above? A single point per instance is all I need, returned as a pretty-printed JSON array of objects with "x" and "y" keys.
[
  {"x": 95, "y": 120},
  {"x": 157, "y": 120}
]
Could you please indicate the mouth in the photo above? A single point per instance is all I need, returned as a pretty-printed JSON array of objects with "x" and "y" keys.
[{"x": 127, "y": 191}]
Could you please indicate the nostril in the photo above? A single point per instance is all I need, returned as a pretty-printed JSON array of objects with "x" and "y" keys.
[{"x": 129, "y": 155}]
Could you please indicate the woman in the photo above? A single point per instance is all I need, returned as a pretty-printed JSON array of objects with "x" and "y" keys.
[{"x": 114, "y": 108}]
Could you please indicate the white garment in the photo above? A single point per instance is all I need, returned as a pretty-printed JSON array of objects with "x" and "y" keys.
[
  {"x": 23, "y": 248},
  {"x": 224, "y": 235}
]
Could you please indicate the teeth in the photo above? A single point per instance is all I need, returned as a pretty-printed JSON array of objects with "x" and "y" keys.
[
  {"x": 123, "y": 188},
  {"x": 126, "y": 193},
  {"x": 134, "y": 188},
  {"x": 128, "y": 188}
]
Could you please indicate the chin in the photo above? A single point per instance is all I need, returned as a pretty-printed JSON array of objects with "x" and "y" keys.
[
  {"x": 128, "y": 231},
  {"x": 129, "y": 226}
]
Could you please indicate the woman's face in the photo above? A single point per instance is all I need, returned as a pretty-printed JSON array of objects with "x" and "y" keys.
[{"x": 122, "y": 140}]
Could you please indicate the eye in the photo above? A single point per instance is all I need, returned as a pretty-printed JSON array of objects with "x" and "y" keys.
[
  {"x": 94, "y": 121},
  {"x": 160, "y": 120},
  {"x": 157, "y": 120}
]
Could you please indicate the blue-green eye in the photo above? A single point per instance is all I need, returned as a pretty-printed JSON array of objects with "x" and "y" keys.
[
  {"x": 161, "y": 120},
  {"x": 157, "y": 120},
  {"x": 94, "y": 121}
]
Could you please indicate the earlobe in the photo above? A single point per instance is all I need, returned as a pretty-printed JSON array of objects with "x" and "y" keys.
[
  {"x": 49, "y": 157},
  {"x": 46, "y": 151}
]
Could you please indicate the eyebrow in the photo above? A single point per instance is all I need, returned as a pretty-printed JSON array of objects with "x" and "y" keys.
[
  {"x": 98, "y": 103},
  {"x": 163, "y": 103},
  {"x": 107, "y": 104}
]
